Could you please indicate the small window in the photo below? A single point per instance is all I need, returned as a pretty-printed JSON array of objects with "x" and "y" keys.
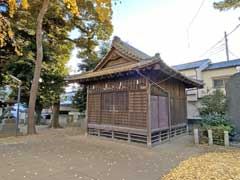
[
  {"x": 220, "y": 83},
  {"x": 117, "y": 101}
]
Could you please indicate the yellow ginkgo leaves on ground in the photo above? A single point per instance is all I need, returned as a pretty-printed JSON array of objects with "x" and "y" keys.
[{"x": 210, "y": 166}]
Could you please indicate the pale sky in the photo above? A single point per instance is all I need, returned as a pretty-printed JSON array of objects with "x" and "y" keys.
[{"x": 162, "y": 25}]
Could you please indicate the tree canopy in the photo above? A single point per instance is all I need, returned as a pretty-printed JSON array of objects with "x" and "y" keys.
[
  {"x": 227, "y": 4},
  {"x": 57, "y": 46},
  {"x": 102, "y": 7},
  {"x": 50, "y": 25}
]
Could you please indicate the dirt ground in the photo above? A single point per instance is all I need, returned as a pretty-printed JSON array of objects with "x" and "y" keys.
[{"x": 66, "y": 154}]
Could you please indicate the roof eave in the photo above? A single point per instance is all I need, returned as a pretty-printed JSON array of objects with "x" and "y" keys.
[{"x": 190, "y": 83}]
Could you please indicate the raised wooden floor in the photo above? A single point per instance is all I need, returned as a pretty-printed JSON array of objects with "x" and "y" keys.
[{"x": 158, "y": 136}]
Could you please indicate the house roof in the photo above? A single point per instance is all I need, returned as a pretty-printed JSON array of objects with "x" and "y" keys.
[
  {"x": 125, "y": 49},
  {"x": 143, "y": 61},
  {"x": 191, "y": 65},
  {"x": 223, "y": 64}
]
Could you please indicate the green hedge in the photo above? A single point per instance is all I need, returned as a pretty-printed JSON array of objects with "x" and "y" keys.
[{"x": 218, "y": 124}]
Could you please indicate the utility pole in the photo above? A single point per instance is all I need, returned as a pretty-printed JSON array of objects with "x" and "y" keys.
[{"x": 226, "y": 45}]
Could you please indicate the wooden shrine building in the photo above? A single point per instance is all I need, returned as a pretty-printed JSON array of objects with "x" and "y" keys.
[{"x": 135, "y": 97}]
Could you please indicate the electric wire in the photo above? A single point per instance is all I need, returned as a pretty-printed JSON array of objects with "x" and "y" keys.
[
  {"x": 193, "y": 19},
  {"x": 217, "y": 52},
  {"x": 221, "y": 40},
  {"x": 233, "y": 54},
  {"x": 212, "y": 47}
]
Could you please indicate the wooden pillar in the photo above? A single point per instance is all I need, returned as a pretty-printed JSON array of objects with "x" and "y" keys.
[
  {"x": 226, "y": 138},
  {"x": 160, "y": 136},
  {"x": 169, "y": 116},
  {"x": 129, "y": 137},
  {"x": 210, "y": 137},
  {"x": 196, "y": 136},
  {"x": 86, "y": 114},
  {"x": 112, "y": 134},
  {"x": 149, "y": 125}
]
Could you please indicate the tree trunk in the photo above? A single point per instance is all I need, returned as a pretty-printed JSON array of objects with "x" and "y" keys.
[
  {"x": 37, "y": 70},
  {"x": 38, "y": 114},
  {"x": 55, "y": 119}
]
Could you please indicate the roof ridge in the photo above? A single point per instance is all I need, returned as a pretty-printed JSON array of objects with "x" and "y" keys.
[
  {"x": 129, "y": 49},
  {"x": 191, "y": 62},
  {"x": 223, "y": 64},
  {"x": 226, "y": 61}
]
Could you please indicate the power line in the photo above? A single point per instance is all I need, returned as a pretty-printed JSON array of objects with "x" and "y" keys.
[
  {"x": 233, "y": 54},
  {"x": 233, "y": 30},
  {"x": 212, "y": 47},
  {"x": 217, "y": 52},
  {"x": 193, "y": 19},
  {"x": 216, "y": 49},
  {"x": 195, "y": 16}
]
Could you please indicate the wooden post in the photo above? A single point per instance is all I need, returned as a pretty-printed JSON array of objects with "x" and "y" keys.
[
  {"x": 226, "y": 138},
  {"x": 129, "y": 137},
  {"x": 210, "y": 137},
  {"x": 98, "y": 131},
  {"x": 169, "y": 115},
  {"x": 112, "y": 134},
  {"x": 160, "y": 136},
  {"x": 86, "y": 115},
  {"x": 149, "y": 126},
  {"x": 196, "y": 137}
]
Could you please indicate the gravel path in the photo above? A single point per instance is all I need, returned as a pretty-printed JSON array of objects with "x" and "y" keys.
[{"x": 67, "y": 154}]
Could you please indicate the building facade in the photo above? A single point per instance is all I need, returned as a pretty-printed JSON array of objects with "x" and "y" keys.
[
  {"x": 213, "y": 75},
  {"x": 135, "y": 97}
]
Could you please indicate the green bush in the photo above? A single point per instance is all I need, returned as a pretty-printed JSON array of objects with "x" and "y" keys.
[
  {"x": 218, "y": 123},
  {"x": 213, "y": 113},
  {"x": 214, "y": 103}
]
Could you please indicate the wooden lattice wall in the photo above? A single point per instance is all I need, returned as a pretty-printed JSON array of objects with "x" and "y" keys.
[
  {"x": 131, "y": 96},
  {"x": 120, "y": 103}
]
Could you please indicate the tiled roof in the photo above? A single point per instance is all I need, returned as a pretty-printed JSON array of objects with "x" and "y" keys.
[
  {"x": 142, "y": 61},
  {"x": 191, "y": 65},
  {"x": 223, "y": 64},
  {"x": 129, "y": 50},
  {"x": 109, "y": 71},
  {"x": 131, "y": 67},
  {"x": 125, "y": 49}
]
